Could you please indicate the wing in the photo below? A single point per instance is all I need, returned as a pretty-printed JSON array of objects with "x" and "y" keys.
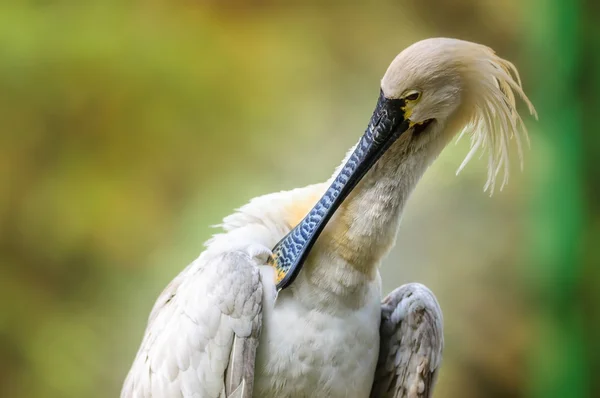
[
  {"x": 411, "y": 344},
  {"x": 203, "y": 331}
]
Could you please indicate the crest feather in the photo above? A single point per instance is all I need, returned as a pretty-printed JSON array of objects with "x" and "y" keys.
[{"x": 495, "y": 119}]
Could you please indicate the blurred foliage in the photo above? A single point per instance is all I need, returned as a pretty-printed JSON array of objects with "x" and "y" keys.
[{"x": 128, "y": 128}]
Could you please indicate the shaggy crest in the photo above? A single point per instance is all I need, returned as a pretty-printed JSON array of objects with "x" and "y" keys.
[{"x": 495, "y": 119}]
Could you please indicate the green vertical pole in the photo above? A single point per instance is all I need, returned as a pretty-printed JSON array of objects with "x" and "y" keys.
[
  {"x": 590, "y": 84},
  {"x": 558, "y": 366}
]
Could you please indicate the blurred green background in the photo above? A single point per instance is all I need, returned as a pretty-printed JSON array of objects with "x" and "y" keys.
[{"x": 128, "y": 128}]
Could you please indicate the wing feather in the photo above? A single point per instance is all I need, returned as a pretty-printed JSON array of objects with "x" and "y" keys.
[
  {"x": 411, "y": 344},
  {"x": 203, "y": 331}
]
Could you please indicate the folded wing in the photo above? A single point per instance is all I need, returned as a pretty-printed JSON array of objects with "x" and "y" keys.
[
  {"x": 411, "y": 344},
  {"x": 203, "y": 331}
]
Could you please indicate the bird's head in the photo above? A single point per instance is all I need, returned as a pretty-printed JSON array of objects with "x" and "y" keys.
[{"x": 445, "y": 86}]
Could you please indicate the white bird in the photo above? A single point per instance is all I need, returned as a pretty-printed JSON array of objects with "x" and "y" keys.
[{"x": 286, "y": 302}]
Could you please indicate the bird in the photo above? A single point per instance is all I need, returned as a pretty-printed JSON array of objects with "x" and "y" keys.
[{"x": 286, "y": 300}]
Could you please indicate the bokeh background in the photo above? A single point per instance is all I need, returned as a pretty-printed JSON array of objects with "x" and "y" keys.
[{"x": 128, "y": 128}]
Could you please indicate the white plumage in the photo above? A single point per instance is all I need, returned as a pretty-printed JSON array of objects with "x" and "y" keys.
[{"x": 222, "y": 329}]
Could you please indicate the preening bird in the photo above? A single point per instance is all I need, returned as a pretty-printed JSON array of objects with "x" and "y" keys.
[{"x": 286, "y": 301}]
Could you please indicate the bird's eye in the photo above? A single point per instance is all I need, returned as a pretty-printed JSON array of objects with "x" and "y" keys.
[{"x": 413, "y": 96}]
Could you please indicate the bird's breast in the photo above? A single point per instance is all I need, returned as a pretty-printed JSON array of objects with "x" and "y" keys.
[{"x": 304, "y": 351}]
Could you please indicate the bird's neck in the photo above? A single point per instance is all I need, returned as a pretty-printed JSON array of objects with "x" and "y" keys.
[{"x": 346, "y": 257}]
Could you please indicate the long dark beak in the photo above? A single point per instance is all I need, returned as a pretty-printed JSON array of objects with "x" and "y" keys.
[{"x": 386, "y": 125}]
